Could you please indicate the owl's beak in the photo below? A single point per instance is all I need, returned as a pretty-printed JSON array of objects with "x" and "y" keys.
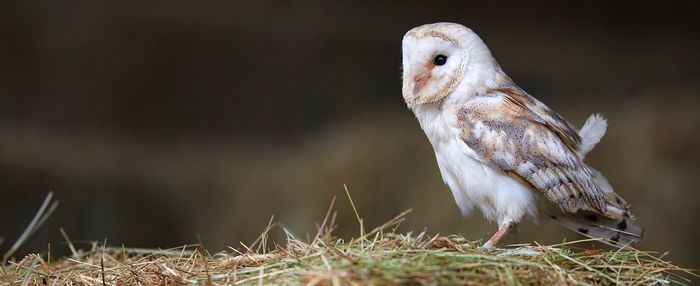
[{"x": 419, "y": 81}]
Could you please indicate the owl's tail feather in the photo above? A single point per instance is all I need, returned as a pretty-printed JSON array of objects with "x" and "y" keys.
[
  {"x": 616, "y": 227},
  {"x": 591, "y": 133}
]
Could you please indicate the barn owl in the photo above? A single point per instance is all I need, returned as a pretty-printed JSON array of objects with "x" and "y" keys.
[{"x": 499, "y": 149}]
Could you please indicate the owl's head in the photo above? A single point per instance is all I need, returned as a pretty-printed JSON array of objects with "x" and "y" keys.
[{"x": 437, "y": 58}]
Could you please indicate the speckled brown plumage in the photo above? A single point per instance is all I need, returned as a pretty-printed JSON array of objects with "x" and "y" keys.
[{"x": 522, "y": 137}]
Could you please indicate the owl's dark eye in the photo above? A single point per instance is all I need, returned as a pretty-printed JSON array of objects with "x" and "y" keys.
[{"x": 440, "y": 60}]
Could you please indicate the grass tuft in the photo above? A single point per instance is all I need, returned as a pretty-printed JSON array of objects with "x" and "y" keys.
[{"x": 379, "y": 257}]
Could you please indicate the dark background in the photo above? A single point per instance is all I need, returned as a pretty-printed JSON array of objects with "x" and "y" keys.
[{"x": 157, "y": 123}]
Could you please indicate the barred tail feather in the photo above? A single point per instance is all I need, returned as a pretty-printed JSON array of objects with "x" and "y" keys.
[
  {"x": 617, "y": 232},
  {"x": 616, "y": 227}
]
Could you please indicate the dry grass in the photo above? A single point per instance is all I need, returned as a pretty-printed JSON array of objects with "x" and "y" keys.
[{"x": 378, "y": 257}]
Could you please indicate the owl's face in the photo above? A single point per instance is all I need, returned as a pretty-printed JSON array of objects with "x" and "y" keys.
[{"x": 434, "y": 61}]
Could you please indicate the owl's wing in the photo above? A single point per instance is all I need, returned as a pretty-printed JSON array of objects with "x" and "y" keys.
[{"x": 513, "y": 132}]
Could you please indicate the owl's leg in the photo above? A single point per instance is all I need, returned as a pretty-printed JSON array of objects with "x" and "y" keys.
[{"x": 502, "y": 231}]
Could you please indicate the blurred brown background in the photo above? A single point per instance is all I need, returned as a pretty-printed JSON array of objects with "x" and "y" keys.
[{"x": 156, "y": 122}]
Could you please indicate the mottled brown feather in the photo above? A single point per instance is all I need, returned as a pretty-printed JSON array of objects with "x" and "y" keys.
[
  {"x": 521, "y": 137},
  {"x": 553, "y": 121}
]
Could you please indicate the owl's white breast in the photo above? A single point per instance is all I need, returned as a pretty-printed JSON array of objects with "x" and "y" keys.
[{"x": 473, "y": 184}]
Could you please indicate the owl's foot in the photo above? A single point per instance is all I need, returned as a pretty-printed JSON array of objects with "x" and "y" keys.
[{"x": 502, "y": 231}]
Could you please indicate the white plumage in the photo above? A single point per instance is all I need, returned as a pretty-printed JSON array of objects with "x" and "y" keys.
[
  {"x": 499, "y": 149},
  {"x": 591, "y": 133}
]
